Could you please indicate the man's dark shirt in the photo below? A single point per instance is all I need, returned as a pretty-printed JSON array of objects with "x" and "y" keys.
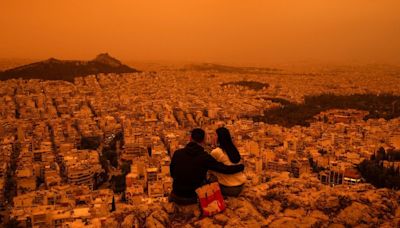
[{"x": 189, "y": 168}]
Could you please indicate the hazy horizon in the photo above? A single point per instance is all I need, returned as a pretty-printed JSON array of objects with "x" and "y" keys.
[{"x": 235, "y": 32}]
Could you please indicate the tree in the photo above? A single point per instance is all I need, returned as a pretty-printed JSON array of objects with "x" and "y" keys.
[
  {"x": 112, "y": 156},
  {"x": 378, "y": 175},
  {"x": 12, "y": 223},
  {"x": 391, "y": 171},
  {"x": 393, "y": 155},
  {"x": 113, "y": 205},
  {"x": 126, "y": 168},
  {"x": 91, "y": 143},
  {"x": 322, "y": 151},
  {"x": 119, "y": 183},
  {"x": 381, "y": 154},
  {"x": 104, "y": 162},
  {"x": 123, "y": 197},
  {"x": 325, "y": 119}
]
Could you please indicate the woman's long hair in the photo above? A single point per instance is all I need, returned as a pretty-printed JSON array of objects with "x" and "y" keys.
[{"x": 226, "y": 144}]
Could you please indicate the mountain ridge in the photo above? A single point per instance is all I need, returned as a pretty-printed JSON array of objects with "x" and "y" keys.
[{"x": 55, "y": 69}]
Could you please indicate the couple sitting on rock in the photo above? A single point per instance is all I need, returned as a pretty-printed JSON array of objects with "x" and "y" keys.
[{"x": 189, "y": 167}]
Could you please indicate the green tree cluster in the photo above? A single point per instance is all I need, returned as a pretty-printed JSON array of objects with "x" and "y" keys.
[{"x": 379, "y": 106}]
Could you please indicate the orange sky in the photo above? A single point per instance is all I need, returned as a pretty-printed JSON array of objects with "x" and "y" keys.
[{"x": 231, "y": 31}]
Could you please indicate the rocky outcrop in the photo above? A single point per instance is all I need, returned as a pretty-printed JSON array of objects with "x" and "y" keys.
[{"x": 284, "y": 202}]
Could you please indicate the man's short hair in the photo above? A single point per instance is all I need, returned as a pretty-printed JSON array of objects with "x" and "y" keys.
[{"x": 197, "y": 135}]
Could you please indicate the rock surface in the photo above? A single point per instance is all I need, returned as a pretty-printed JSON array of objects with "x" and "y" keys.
[{"x": 288, "y": 202}]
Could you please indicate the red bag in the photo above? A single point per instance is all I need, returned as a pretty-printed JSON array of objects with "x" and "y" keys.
[{"x": 211, "y": 199}]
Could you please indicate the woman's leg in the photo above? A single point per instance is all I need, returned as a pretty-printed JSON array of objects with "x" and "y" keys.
[{"x": 233, "y": 191}]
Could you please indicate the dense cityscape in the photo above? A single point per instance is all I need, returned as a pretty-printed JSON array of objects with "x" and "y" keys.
[{"x": 96, "y": 152}]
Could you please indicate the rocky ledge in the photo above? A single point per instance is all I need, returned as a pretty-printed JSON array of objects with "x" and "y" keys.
[{"x": 281, "y": 202}]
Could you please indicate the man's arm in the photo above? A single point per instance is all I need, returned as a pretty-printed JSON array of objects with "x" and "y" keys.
[
  {"x": 220, "y": 167},
  {"x": 217, "y": 154}
]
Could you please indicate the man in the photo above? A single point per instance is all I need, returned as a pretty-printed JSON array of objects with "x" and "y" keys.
[{"x": 189, "y": 168}]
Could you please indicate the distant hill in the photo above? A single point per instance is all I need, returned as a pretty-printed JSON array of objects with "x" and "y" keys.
[
  {"x": 253, "y": 85},
  {"x": 230, "y": 69},
  {"x": 54, "y": 69}
]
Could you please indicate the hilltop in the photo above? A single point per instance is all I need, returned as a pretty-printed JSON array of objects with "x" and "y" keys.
[
  {"x": 54, "y": 69},
  {"x": 281, "y": 202}
]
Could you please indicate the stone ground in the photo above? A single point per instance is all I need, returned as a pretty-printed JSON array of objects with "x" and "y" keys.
[{"x": 281, "y": 202}]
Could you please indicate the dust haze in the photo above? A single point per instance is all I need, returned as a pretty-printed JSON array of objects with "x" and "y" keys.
[{"x": 238, "y": 32}]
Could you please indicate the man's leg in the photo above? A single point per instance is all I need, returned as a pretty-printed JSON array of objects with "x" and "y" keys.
[{"x": 181, "y": 200}]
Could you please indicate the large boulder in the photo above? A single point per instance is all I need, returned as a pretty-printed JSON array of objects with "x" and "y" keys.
[
  {"x": 206, "y": 223},
  {"x": 286, "y": 222},
  {"x": 157, "y": 219},
  {"x": 354, "y": 214},
  {"x": 129, "y": 221},
  {"x": 319, "y": 215}
]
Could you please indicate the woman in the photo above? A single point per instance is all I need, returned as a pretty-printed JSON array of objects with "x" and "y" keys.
[{"x": 226, "y": 152}]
